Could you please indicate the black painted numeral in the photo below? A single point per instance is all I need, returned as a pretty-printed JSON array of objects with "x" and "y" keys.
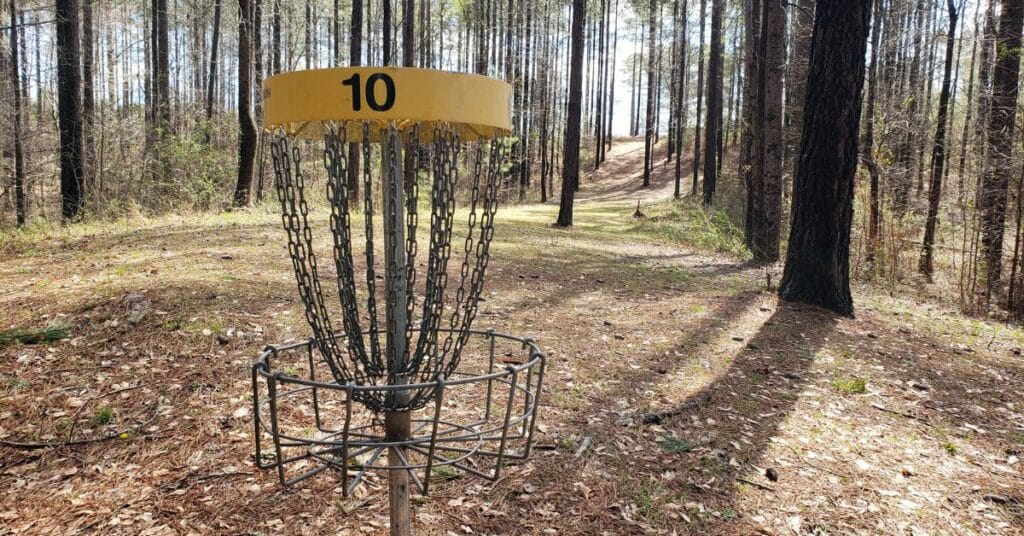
[{"x": 371, "y": 95}]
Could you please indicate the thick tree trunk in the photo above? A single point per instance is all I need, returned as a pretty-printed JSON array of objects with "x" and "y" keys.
[
  {"x": 69, "y": 114},
  {"x": 1002, "y": 118},
  {"x": 680, "y": 102},
  {"x": 571, "y": 150},
  {"x": 926, "y": 265},
  {"x": 714, "y": 116},
  {"x": 818, "y": 259},
  {"x": 246, "y": 129}
]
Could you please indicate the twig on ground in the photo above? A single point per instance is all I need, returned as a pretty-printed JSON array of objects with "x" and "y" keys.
[
  {"x": 116, "y": 435},
  {"x": 884, "y": 409},
  {"x": 657, "y": 417},
  {"x": 755, "y": 484}
]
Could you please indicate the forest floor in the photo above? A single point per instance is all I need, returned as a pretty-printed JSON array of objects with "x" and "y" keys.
[{"x": 908, "y": 419}]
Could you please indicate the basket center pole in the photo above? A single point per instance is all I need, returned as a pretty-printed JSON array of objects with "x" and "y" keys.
[{"x": 397, "y": 425}]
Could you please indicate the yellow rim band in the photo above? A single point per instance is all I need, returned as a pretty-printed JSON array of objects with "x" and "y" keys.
[{"x": 302, "y": 103}]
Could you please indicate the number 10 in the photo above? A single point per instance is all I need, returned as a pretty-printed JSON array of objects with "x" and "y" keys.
[{"x": 371, "y": 97}]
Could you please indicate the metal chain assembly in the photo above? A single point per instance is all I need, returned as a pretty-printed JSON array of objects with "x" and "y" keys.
[{"x": 413, "y": 312}]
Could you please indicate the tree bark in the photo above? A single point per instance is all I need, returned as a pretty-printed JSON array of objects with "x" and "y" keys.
[
  {"x": 211, "y": 83},
  {"x": 770, "y": 144},
  {"x": 246, "y": 129},
  {"x": 571, "y": 149},
  {"x": 69, "y": 115},
  {"x": 714, "y": 115},
  {"x": 355, "y": 57},
  {"x": 700, "y": 99},
  {"x": 818, "y": 259},
  {"x": 20, "y": 201},
  {"x": 651, "y": 83},
  {"x": 88, "y": 97},
  {"x": 1002, "y": 118},
  {"x": 926, "y": 265},
  {"x": 752, "y": 27}
]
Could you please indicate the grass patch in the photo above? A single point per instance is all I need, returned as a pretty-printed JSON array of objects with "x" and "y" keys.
[
  {"x": 950, "y": 448},
  {"x": 47, "y": 335},
  {"x": 674, "y": 445},
  {"x": 852, "y": 386},
  {"x": 647, "y": 502},
  {"x": 690, "y": 223},
  {"x": 103, "y": 416}
]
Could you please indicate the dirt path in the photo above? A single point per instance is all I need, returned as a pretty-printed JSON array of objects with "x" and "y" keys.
[
  {"x": 906, "y": 420},
  {"x": 620, "y": 177}
]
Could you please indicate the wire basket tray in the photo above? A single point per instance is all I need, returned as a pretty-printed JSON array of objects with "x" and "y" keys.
[{"x": 479, "y": 419}]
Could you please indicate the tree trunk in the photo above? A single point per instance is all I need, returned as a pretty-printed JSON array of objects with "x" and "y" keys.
[
  {"x": 770, "y": 143},
  {"x": 714, "y": 115},
  {"x": 818, "y": 259},
  {"x": 69, "y": 115},
  {"x": 1002, "y": 118},
  {"x": 752, "y": 26},
  {"x": 700, "y": 99},
  {"x": 874, "y": 193},
  {"x": 276, "y": 36},
  {"x": 211, "y": 82},
  {"x": 246, "y": 129},
  {"x": 796, "y": 78},
  {"x": 163, "y": 69},
  {"x": 88, "y": 97},
  {"x": 651, "y": 83},
  {"x": 20, "y": 202},
  {"x": 926, "y": 266},
  {"x": 680, "y": 102},
  {"x": 571, "y": 150},
  {"x": 355, "y": 58}
]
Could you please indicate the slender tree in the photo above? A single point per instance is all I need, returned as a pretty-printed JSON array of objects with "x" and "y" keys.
[
  {"x": 926, "y": 266},
  {"x": 769, "y": 141},
  {"x": 700, "y": 99},
  {"x": 69, "y": 108},
  {"x": 355, "y": 58},
  {"x": 651, "y": 84},
  {"x": 211, "y": 83},
  {"x": 246, "y": 128},
  {"x": 20, "y": 201},
  {"x": 571, "y": 149},
  {"x": 818, "y": 258},
  {"x": 88, "y": 97},
  {"x": 714, "y": 115}
]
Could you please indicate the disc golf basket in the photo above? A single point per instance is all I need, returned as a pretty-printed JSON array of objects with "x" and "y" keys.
[{"x": 394, "y": 379}]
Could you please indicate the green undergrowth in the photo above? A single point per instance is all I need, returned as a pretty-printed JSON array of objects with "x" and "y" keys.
[
  {"x": 47, "y": 335},
  {"x": 687, "y": 222}
]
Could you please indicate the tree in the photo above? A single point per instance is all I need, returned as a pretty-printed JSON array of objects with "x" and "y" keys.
[
  {"x": 88, "y": 95},
  {"x": 20, "y": 203},
  {"x": 571, "y": 149},
  {"x": 752, "y": 29},
  {"x": 926, "y": 265},
  {"x": 355, "y": 54},
  {"x": 1002, "y": 117},
  {"x": 69, "y": 108},
  {"x": 818, "y": 259},
  {"x": 768, "y": 143},
  {"x": 651, "y": 84},
  {"x": 700, "y": 98},
  {"x": 714, "y": 116},
  {"x": 212, "y": 80},
  {"x": 246, "y": 128},
  {"x": 162, "y": 71}
]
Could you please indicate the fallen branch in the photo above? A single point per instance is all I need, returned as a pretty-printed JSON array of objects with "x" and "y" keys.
[
  {"x": 116, "y": 435},
  {"x": 755, "y": 484},
  {"x": 658, "y": 417},
  {"x": 884, "y": 409}
]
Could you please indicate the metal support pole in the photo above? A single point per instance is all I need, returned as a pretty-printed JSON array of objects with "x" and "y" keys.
[{"x": 397, "y": 425}]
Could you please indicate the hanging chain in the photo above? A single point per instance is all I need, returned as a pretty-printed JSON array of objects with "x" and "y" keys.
[{"x": 425, "y": 355}]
